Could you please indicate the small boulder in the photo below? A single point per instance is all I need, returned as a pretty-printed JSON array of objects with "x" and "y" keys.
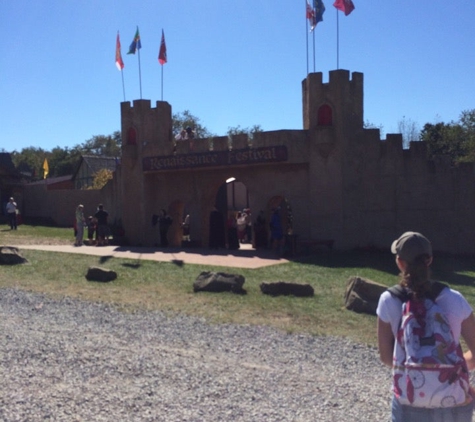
[
  {"x": 283, "y": 288},
  {"x": 209, "y": 281},
  {"x": 9, "y": 255},
  {"x": 100, "y": 274},
  {"x": 362, "y": 295}
]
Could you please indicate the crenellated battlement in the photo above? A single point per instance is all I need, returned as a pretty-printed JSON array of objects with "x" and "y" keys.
[
  {"x": 333, "y": 124},
  {"x": 342, "y": 95}
]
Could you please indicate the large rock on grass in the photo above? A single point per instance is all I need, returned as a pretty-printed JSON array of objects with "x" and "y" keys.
[
  {"x": 209, "y": 281},
  {"x": 284, "y": 288},
  {"x": 9, "y": 255},
  {"x": 103, "y": 275},
  {"x": 362, "y": 295}
]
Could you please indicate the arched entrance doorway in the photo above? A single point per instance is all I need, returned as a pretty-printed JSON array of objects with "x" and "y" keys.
[{"x": 233, "y": 203}]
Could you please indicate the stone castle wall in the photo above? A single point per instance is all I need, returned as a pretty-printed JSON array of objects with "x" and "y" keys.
[{"x": 343, "y": 181}]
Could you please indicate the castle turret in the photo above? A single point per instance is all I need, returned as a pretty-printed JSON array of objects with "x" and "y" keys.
[
  {"x": 337, "y": 103},
  {"x": 145, "y": 131}
]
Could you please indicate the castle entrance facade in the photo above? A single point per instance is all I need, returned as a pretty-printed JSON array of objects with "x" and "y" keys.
[
  {"x": 334, "y": 180},
  {"x": 198, "y": 192}
]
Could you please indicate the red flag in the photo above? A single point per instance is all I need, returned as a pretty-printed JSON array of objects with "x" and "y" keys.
[
  {"x": 118, "y": 57},
  {"x": 162, "y": 55},
  {"x": 345, "y": 6},
  {"x": 310, "y": 14}
]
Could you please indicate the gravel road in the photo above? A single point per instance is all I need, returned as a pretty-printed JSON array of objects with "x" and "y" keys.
[{"x": 71, "y": 360}]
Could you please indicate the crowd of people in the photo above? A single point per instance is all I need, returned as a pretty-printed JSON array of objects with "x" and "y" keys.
[{"x": 238, "y": 228}]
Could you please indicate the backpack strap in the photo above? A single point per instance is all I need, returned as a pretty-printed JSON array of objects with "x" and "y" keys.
[
  {"x": 436, "y": 289},
  {"x": 404, "y": 294},
  {"x": 400, "y": 293}
]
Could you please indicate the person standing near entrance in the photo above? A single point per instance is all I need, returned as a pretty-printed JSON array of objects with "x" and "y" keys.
[
  {"x": 232, "y": 231},
  {"x": 186, "y": 228},
  {"x": 216, "y": 229},
  {"x": 241, "y": 226},
  {"x": 102, "y": 227},
  {"x": 80, "y": 223},
  {"x": 11, "y": 209},
  {"x": 276, "y": 232},
  {"x": 260, "y": 231},
  {"x": 164, "y": 223}
]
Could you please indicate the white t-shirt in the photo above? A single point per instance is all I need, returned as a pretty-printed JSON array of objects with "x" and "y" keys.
[
  {"x": 11, "y": 207},
  {"x": 454, "y": 305}
]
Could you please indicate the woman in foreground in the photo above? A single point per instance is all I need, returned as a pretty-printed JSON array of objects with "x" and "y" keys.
[{"x": 419, "y": 327}]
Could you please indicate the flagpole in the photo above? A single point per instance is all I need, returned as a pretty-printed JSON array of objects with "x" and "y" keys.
[
  {"x": 314, "y": 51},
  {"x": 123, "y": 85},
  {"x": 140, "y": 74},
  {"x": 162, "y": 81},
  {"x": 162, "y": 56},
  {"x": 337, "y": 41},
  {"x": 306, "y": 34}
]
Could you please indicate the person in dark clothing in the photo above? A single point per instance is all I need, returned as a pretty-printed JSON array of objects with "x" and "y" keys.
[
  {"x": 102, "y": 227},
  {"x": 216, "y": 230},
  {"x": 164, "y": 223},
  {"x": 276, "y": 232},
  {"x": 233, "y": 238},
  {"x": 91, "y": 229},
  {"x": 260, "y": 231}
]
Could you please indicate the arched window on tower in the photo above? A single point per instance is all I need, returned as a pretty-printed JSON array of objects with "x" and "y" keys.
[
  {"x": 325, "y": 115},
  {"x": 131, "y": 136}
]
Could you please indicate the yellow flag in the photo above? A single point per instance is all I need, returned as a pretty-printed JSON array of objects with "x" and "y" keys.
[{"x": 45, "y": 168}]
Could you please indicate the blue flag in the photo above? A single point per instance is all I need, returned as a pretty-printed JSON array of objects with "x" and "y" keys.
[
  {"x": 319, "y": 9},
  {"x": 136, "y": 45}
]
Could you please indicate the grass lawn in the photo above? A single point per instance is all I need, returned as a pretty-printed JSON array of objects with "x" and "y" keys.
[{"x": 169, "y": 287}]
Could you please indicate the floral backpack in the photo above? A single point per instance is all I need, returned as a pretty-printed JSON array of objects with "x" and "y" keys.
[{"x": 429, "y": 369}]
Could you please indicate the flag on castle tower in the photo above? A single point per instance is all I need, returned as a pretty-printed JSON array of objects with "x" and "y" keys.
[
  {"x": 136, "y": 44},
  {"x": 345, "y": 6},
  {"x": 319, "y": 9},
  {"x": 162, "y": 55},
  {"x": 315, "y": 14},
  {"x": 45, "y": 169},
  {"x": 310, "y": 13},
  {"x": 118, "y": 56}
]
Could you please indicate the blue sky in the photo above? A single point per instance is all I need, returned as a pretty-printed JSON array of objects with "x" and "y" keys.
[{"x": 230, "y": 63}]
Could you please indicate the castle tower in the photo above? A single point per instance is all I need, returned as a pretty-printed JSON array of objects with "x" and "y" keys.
[
  {"x": 145, "y": 131},
  {"x": 338, "y": 103}
]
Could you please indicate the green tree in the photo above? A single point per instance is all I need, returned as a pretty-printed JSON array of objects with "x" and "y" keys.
[
  {"x": 106, "y": 145},
  {"x": 30, "y": 159},
  {"x": 455, "y": 139},
  {"x": 63, "y": 161},
  {"x": 185, "y": 119},
  {"x": 467, "y": 123},
  {"x": 444, "y": 139},
  {"x": 238, "y": 130}
]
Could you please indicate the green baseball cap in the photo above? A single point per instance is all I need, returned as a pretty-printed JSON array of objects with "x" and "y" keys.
[{"x": 410, "y": 245}]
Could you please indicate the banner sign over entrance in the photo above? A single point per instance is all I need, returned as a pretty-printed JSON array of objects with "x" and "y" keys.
[{"x": 216, "y": 158}]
